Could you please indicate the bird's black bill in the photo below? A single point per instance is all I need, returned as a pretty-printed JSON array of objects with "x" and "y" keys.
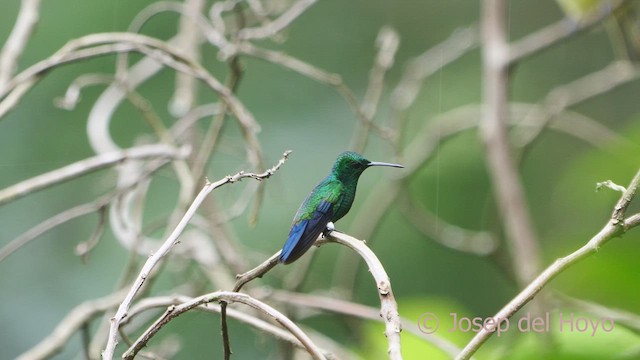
[{"x": 376, "y": 163}]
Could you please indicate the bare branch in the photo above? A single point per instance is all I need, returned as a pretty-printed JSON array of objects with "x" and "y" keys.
[
  {"x": 620, "y": 209},
  {"x": 616, "y": 226},
  {"x": 507, "y": 186},
  {"x": 196, "y": 114},
  {"x": 445, "y": 233},
  {"x": 230, "y": 297},
  {"x": 192, "y": 27},
  {"x": 72, "y": 95},
  {"x": 459, "y": 43},
  {"x": 76, "y": 319},
  {"x": 388, "y": 304},
  {"x": 216, "y": 12},
  {"x": 317, "y": 74},
  {"x": 555, "y": 33},
  {"x": 256, "y": 272},
  {"x": 165, "y": 301},
  {"x": 16, "y": 43},
  {"x": 389, "y": 307},
  {"x": 269, "y": 29},
  {"x": 169, "y": 243},
  {"x": 52, "y": 222},
  {"x": 564, "y": 96},
  {"x": 84, "y": 248},
  {"x": 387, "y": 42},
  {"x": 85, "y": 166},
  {"x": 632, "y": 221},
  {"x": 611, "y": 185},
  {"x": 76, "y": 50}
]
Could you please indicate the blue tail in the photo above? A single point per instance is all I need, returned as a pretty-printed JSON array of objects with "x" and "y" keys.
[{"x": 305, "y": 232}]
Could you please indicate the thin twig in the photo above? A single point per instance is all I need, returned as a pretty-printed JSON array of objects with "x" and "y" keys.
[
  {"x": 52, "y": 222},
  {"x": 420, "y": 68},
  {"x": 77, "y": 50},
  {"x": 71, "y": 97},
  {"x": 165, "y": 301},
  {"x": 83, "y": 167},
  {"x": 227, "y": 296},
  {"x": 224, "y": 331},
  {"x": 241, "y": 280},
  {"x": 215, "y": 128},
  {"x": 616, "y": 226},
  {"x": 388, "y": 305},
  {"x": 180, "y": 127},
  {"x": 271, "y": 28},
  {"x": 75, "y": 320},
  {"x": 562, "y": 97},
  {"x": 13, "y": 48},
  {"x": 189, "y": 12},
  {"x": 256, "y": 272},
  {"x": 387, "y": 42},
  {"x": 476, "y": 242},
  {"x": 330, "y": 79},
  {"x": 206, "y": 150},
  {"x": 555, "y": 33},
  {"x": 169, "y": 243},
  {"x": 84, "y": 248}
]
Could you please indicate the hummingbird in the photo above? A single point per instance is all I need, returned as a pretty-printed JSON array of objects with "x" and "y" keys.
[{"x": 329, "y": 201}]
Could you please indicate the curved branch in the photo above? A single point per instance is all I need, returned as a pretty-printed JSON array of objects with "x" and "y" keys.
[
  {"x": 273, "y": 27},
  {"x": 77, "y": 318},
  {"x": 387, "y": 42},
  {"x": 52, "y": 222},
  {"x": 169, "y": 243},
  {"x": 164, "y": 301},
  {"x": 388, "y": 304},
  {"x": 557, "y": 32},
  {"x": 329, "y": 79},
  {"x": 26, "y": 21},
  {"x": 230, "y": 297},
  {"x": 361, "y": 311},
  {"x": 210, "y": 33},
  {"x": 613, "y": 228},
  {"x": 256, "y": 272},
  {"x": 109, "y": 43},
  {"x": 86, "y": 166}
]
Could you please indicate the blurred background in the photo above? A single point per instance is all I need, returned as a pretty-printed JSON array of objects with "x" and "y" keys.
[{"x": 471, "y": 275}]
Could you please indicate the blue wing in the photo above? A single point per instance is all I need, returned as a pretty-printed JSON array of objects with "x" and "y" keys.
[{"x": 305, "y": 232}]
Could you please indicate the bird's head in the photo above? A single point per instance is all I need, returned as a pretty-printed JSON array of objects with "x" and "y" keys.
[{"x": 349, "y": 165}]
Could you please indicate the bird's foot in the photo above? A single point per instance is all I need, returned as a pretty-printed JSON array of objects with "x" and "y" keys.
[{"x": 330, "y": 227}]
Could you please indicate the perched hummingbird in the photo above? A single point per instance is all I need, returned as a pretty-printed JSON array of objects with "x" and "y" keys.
[{"x": 327, "y": 203}]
